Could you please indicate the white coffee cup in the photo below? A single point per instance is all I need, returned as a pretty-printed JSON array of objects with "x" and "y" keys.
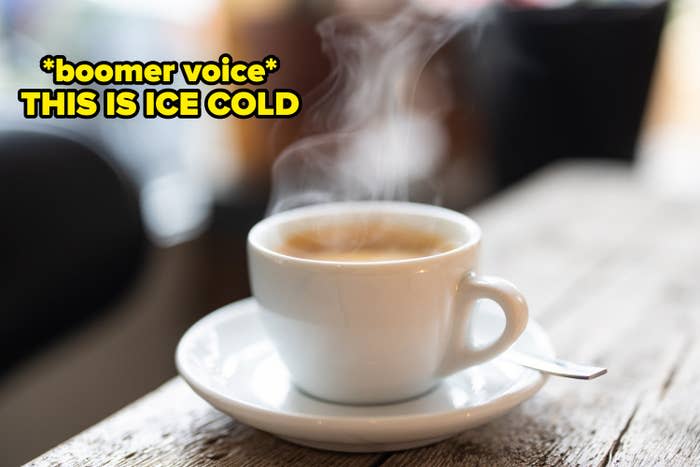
[{"x": 379, "y": 331}]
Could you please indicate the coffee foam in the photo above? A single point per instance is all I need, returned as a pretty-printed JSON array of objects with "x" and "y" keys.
[{"x": 366, "y": 240}]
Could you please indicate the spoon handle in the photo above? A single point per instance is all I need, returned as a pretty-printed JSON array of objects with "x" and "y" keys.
[{"x": 555, "y": 366}]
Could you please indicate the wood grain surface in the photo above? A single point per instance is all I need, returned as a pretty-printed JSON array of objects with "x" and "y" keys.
[{"x": 611, "y": 270}]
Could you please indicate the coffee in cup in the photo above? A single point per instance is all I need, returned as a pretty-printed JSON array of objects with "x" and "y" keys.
[{"x": 363, "y": 240}]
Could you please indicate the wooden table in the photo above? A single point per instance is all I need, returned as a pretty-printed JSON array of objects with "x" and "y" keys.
[{"x": 610, "y": 270}]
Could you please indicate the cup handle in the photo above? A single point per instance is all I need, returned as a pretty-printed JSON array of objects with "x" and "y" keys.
[{"x": 460, "y": 353}]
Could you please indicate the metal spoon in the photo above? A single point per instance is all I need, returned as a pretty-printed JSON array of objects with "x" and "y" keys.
[{"x": 555, "y": 366}]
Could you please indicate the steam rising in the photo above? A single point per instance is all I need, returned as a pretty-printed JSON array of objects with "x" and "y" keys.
[{"x": 368, "y": 140}]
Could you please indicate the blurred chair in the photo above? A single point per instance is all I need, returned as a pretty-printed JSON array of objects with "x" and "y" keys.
[
  {"x": 91, "y": 312},
  {"x": 565, "y": 82},
  {"x": 71, "y": 240}
]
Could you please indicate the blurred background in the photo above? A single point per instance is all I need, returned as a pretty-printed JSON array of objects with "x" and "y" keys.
[{"x": 118, "y": 235}]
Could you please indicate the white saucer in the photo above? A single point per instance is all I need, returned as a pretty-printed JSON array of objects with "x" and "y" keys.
[{"x": 227, "y": 359}]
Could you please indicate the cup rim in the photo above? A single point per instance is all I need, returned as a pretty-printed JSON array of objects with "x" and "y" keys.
[{"x": 473, "y": 229}]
